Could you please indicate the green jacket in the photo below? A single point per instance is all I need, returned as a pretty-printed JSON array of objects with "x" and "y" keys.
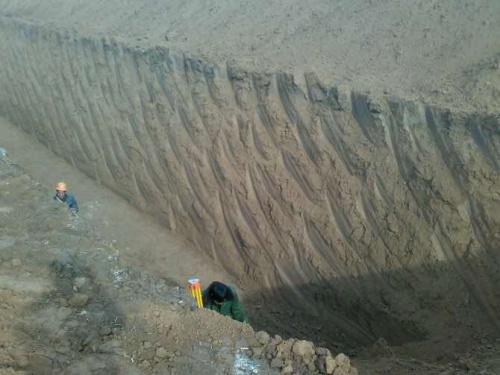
[{"x": 230, "y": 307}]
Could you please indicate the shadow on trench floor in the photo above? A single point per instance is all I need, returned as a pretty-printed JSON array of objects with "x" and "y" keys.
[{"x": 454, "y": 303}]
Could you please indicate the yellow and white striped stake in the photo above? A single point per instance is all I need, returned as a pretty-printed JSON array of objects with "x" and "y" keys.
[{"x": 195, "y": 288}]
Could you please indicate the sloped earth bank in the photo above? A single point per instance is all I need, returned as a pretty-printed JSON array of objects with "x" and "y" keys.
[
  {"x": 346, "y": 218},
  {"x": 69, "y": 305},
  {"x": 72, "y": 304}
]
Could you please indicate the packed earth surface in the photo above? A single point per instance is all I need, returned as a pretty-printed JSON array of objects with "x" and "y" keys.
[{"x": 337, "y": 162}]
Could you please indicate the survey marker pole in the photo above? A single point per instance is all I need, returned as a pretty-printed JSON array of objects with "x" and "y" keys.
[{"x": 195, "y": 288}]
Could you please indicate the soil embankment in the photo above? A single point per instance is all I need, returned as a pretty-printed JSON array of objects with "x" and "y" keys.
[{"x": 348, "y": 216}]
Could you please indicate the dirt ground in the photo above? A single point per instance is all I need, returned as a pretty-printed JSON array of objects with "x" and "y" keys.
[
  {"x": 104, "y": 293},
  {"x": 74, "y": 302},
  {"x": 441, "y": 52},
  {"x": 70, "y": 303}
]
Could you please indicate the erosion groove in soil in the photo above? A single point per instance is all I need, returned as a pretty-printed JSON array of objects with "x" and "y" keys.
[{"x": 372, "y": 218}]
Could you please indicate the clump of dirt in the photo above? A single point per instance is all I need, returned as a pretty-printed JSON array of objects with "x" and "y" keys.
[{"x": 70, "y": 305}]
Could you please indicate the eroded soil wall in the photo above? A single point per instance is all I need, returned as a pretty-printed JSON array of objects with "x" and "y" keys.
[{"x": 372, "y": 218}]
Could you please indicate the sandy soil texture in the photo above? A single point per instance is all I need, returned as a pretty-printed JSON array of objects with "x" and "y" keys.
[
  {"x": 339, "y": 161},
  {"x": 69, "y": 304},
  {"x": 326, "y": 200},
  {"x": 74, "y": 301},
  {"x": 445, "y": 52}
]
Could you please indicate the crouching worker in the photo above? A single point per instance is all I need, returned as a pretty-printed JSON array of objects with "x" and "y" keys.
[
  {"x": 223, "y": 299},
  {"x": 63, "y": 196}
]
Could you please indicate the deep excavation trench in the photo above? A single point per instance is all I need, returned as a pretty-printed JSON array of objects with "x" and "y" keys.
[{"x": 346, "y": 217}]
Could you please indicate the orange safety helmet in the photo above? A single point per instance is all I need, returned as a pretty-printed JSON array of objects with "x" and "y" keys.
[{"x": 61, "y": 186}]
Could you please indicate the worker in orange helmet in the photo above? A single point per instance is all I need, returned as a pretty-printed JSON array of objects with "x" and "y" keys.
[{"x": 63, "y": 196}]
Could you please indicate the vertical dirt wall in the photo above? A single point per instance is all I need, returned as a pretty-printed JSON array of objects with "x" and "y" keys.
[{"x": 367, "y": 217}]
